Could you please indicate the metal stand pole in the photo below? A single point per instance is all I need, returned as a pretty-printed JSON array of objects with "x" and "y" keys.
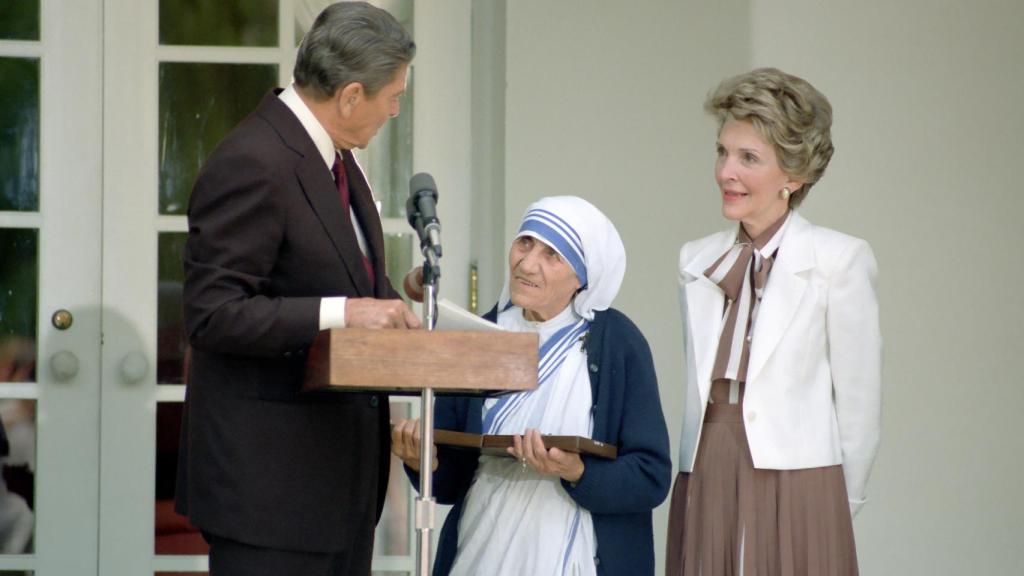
[{"x": 425, "y": 504}]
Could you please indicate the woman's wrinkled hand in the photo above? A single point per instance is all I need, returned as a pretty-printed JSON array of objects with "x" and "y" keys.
[{"x": 529, "y": 449}]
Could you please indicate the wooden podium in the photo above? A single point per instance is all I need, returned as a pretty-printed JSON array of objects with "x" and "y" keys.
[
  {"x": 423, "y": 362},
  {"x": 407, "y": 361}
]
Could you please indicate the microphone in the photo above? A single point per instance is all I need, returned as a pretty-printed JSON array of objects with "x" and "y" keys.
[{"x": 421, "y": 209}]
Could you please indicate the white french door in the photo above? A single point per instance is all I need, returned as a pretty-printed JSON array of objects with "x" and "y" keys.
[
  {"x": 173, "y": 85},
  {"x": 50, "y": 198},
  {"x": 108, "y": 110}
]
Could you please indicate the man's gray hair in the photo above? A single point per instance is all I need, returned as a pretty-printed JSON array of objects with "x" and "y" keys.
[{"x": 351, "y": 42}]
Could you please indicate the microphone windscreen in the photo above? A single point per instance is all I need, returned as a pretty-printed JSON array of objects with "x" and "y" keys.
[{"x": 422, "y": 182}]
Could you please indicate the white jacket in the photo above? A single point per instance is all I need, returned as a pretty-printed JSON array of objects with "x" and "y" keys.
[{"x": 813, "y": 392}]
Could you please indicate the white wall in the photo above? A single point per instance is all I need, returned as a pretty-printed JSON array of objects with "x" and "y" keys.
[
  {"x": 443, "y": 78},
  {"x": 604, "y": 101},
  {"x": 488, "y": 129},
  {"x": 928, "y": 129}
]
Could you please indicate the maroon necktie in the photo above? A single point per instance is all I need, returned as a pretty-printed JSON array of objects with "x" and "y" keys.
[{"x": 341, "y": 180}]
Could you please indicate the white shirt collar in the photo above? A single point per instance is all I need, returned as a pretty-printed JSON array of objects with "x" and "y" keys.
[{"x": 316, "y": 131}]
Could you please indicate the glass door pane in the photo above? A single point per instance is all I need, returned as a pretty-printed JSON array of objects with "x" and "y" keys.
[
  {"x": 19, "y": 297},
  {"x": 17, "y": 482},
  {"x": 171, "y": 342},
  {"x": 19, "y": 132},
  {"x": 199, "y": 104},
  {"x": 20, "y": 20},
  {"x": 221, "y": 23}
]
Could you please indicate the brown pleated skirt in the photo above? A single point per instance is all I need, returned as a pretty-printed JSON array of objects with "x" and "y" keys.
[{"x": 728, "y": 518}]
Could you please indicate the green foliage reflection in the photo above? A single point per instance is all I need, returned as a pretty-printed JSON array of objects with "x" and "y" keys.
[
  {"x": 19, "y": 134},
  {"x": 19, "y": 295},
  {"x": 170, "y": 337},
  {"x": 199, "y": 104},
  {"x": 19, "y": 20},
  {"x": 218, "y": 23}
]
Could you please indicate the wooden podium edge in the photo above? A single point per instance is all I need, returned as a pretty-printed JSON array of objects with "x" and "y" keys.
[{"x": 408, "y": 361}]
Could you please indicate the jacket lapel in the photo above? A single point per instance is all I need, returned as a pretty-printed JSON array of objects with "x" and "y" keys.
[
  {"x": 705, "y": 303},
  {"x": 366, "y": 211},
  {"x": 320, "y": 190},
  {"x": 319, "y": 187},
  {"x": 782, "y": 296}
]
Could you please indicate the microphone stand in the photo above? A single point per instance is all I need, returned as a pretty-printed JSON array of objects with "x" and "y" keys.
[{"x": 425, "y": 504}]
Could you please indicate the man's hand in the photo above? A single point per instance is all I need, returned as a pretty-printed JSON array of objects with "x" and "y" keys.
[
  {"x": 405, "y": 443},
  {"x": 413, "y": 284},
  {"x": 529, "y": 449},
  {"x": 374, "y": 313}
]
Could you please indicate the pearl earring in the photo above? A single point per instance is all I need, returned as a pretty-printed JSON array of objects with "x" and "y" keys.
[{"x": 784, "y": 194}]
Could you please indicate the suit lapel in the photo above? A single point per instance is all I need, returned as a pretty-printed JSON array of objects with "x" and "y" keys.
[
  {"x": 322, "y": 194},
  {"x": 782, "y": 296},
  {"x": 705, "y": 303},
  {"x": 366, "y": 211},
  {"x": 319, "y": 187}
]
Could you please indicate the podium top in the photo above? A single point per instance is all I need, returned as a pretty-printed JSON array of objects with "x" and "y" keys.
[{"x": 407, "y": 361}]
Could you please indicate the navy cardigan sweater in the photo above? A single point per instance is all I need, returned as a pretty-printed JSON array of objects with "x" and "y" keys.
[{"x": 620, "y": 494}]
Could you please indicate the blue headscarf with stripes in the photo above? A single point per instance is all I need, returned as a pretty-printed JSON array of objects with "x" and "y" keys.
[{"x": 587, "y": 240}]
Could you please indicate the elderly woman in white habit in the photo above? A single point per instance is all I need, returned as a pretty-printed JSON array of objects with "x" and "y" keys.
[{"x": 548, "y": 511}]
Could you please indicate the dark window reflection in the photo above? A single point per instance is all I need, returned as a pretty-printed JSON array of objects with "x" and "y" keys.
[
  {"x": 19, "y": 281},
  {"x": 19, "y": 20},
  {"x": 17, "y": 483},
  {"x": 172, "y": 533},
  {"x": 220, "y": 23},
  {"x": 170, "y": 336},
  {"x": 19, "y": 134},
  {"x": 199, "y": 104}
]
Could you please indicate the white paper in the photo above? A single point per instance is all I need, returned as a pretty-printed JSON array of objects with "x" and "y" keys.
[{"x": 450, "y": 316}]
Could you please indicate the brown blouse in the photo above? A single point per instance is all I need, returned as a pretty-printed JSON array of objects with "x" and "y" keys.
[{"x": 742, "y": 274}]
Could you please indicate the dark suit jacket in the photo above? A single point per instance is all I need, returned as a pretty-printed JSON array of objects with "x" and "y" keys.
[{"x": 260, "y": 461}]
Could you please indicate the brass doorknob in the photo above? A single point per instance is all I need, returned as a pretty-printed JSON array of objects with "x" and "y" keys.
[{"x": 62, "y": 319}]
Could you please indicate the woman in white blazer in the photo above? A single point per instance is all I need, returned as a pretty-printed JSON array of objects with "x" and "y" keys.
[{"x": 783, "y": 353}]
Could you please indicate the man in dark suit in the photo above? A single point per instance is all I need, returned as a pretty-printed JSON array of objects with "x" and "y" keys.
[{"x": 282, "y": 482}]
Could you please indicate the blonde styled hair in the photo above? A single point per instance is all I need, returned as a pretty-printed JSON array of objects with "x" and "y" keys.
[{"x": 788, "y": 112}]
